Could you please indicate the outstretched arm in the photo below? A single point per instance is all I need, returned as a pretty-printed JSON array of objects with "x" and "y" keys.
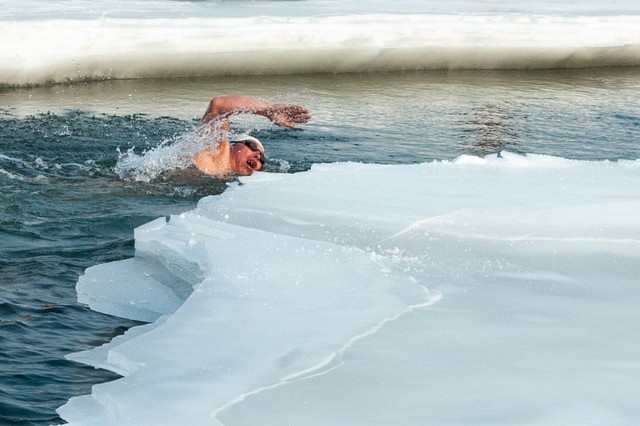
[{"x": 286, "y": 115}]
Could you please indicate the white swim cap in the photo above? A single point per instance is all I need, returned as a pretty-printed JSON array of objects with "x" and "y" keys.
[{"x": 245, "y": 137}]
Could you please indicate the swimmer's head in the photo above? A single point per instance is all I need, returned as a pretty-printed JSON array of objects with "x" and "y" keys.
[{"x": 247, "y": 154}]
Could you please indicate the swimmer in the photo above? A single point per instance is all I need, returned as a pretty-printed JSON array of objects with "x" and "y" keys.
[{"x": 241, "y": 155}]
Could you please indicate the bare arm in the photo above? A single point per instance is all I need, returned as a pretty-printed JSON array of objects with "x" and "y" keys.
[
  {"x": 286, "y": 115},
  {"x": 217, "y": 162}
]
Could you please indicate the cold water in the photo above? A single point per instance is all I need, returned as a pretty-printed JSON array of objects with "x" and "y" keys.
[{"x": 64, "y": 207}]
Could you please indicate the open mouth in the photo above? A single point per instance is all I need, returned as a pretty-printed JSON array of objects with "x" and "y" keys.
[{"x": 251, "y": 164}]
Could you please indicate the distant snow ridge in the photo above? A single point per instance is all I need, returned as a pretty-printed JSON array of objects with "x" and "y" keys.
[{"x": 211, "y": 38}]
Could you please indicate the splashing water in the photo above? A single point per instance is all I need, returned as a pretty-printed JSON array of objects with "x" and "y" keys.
[{"x": 173, "y": 153}]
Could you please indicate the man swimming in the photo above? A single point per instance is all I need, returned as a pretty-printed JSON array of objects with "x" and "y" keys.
[{"x": 243, "y": 155}]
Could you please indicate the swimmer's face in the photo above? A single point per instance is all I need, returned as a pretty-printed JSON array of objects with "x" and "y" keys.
[{"x": 246, "y": 157}]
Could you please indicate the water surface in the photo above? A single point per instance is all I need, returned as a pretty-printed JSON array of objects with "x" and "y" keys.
[{"x": 64, "y": 208}]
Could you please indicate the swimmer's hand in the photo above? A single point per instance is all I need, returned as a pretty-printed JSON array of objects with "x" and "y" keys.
[{"x": 288, "y": 115}]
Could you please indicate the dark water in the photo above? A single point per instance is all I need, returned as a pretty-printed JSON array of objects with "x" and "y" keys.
[
  {"x": 61, "y": 211},
  {"x": 63, "y": 208}
]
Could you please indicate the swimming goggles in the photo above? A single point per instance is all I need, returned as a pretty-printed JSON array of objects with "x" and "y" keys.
[{"x": 254, "y": 147}]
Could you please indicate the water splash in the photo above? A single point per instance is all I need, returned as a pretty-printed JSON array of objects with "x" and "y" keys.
[{"x": 173, "y": 153}]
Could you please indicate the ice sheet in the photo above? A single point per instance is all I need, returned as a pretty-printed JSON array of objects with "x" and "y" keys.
[
  {"x": 82, "y": 40},
  {"x": 498, "y": 290}
]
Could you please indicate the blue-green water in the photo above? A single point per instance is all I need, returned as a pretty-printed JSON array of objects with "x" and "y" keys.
[
  {"x": 61, "y": 211},
  {"x": 63, "y": 208}
]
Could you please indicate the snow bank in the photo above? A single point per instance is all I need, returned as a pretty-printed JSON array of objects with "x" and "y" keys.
[{"x": 116, "y": 40}]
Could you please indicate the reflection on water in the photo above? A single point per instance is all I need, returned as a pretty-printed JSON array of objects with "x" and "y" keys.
[{"x": 487, "y": 129}]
